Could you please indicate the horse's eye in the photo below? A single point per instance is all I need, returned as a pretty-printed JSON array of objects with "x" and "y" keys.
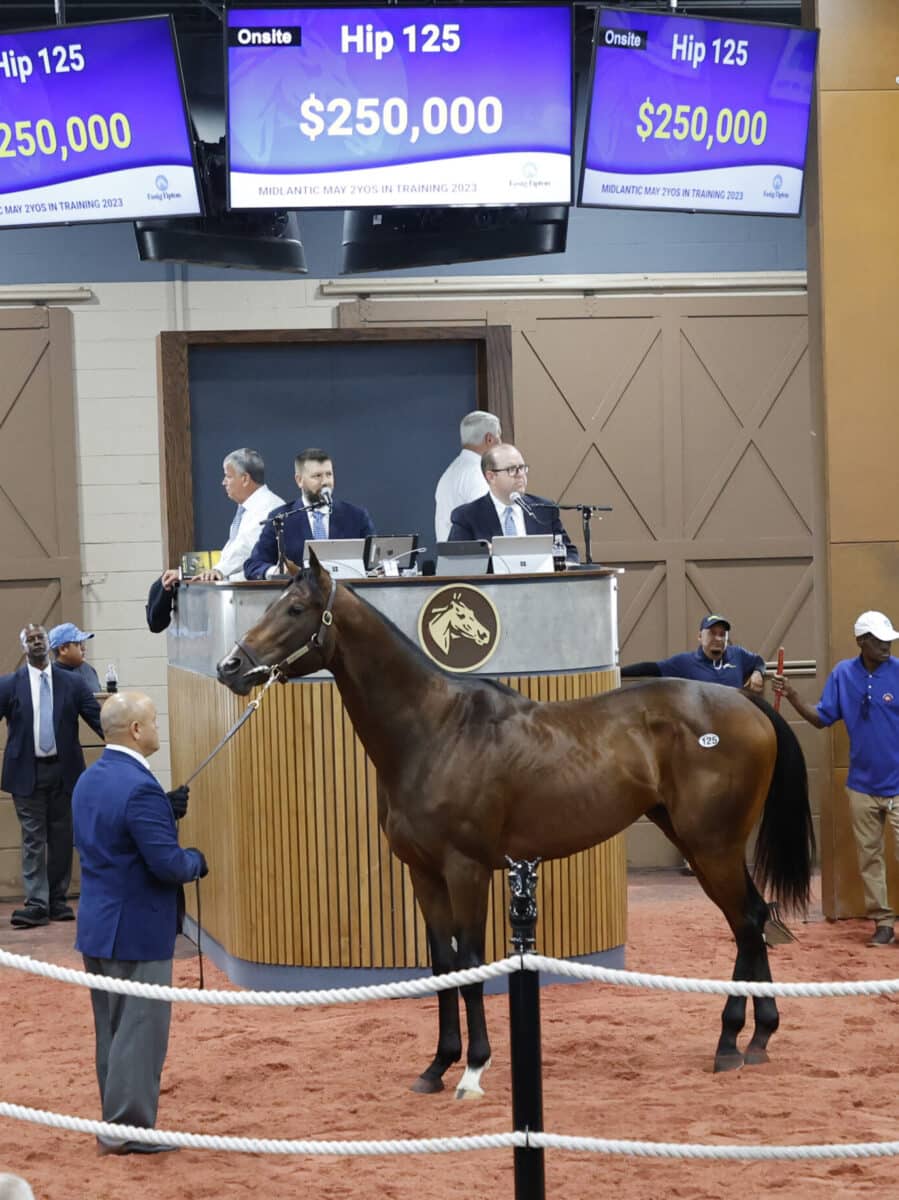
[{"x": 296, "y": 608}]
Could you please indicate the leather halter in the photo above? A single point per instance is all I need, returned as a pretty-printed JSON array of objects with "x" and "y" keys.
[{"x": 315, "y": 642}]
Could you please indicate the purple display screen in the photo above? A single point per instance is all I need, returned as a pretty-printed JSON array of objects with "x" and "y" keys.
[
  {"x": 93, "y": 125},
  {"x": 360, "y": 107},
  {"x": 699, "y": 114}
]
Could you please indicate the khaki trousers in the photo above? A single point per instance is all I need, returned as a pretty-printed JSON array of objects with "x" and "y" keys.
[{"x": 870, "y": 816}]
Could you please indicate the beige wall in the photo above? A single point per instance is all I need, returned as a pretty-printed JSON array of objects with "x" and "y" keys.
[{"x": 853, "y": 284}]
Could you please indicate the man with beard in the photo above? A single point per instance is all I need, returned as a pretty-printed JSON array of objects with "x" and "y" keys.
[{"x": 316, "y": 515}]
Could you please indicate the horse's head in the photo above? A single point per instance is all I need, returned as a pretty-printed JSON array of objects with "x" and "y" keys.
[
  {"x": 294, "y": 634},
  {"x": 463, "y": 623}
]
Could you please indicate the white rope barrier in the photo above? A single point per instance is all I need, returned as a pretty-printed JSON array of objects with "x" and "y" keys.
[
  {"x": 466, "y": 1144},
  {"x": 421, "y": 987},
  {"x": 413, "y": 988}
]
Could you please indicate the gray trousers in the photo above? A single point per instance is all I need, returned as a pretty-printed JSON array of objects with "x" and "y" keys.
[
  {"x": 46, "y": 821},
  {"x": 132, "y": 1036}
]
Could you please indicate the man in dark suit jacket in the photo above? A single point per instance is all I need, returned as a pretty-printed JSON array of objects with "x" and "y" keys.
[
  {"x": 498, "y": 514},
  {"x": 42, "y": 761},
  {"x": 328, "y": 518},
  {"x": 132, "y": 872}
]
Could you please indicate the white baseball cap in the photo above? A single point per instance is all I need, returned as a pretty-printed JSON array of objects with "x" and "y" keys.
[{"x": 878, "y": 624}]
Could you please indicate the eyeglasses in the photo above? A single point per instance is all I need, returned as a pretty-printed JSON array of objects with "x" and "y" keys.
[{"x": 518, "y": 469}]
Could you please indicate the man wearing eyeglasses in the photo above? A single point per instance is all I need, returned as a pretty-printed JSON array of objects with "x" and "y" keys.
[
  {"x": 863, "y": 693},
  {"x": 508, "y": 509}
]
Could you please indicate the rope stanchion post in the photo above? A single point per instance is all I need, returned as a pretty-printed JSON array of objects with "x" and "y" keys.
[{"x": 524, "y": 1020}]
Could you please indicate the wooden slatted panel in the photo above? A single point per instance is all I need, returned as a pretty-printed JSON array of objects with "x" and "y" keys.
[{"x": 301, "y": 874}]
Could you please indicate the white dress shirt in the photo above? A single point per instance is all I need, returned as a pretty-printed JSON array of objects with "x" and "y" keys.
[
  {"x": 134, "y": 753},
  {"x": 517, "y": 515},
  {"x": 236, "y": 550},
  {"x": 34, "y": 678},
  {"x": 461, "y": 482}
]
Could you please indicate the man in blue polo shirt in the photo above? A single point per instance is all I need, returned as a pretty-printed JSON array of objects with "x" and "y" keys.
[
  {"x": 863, "y": 693},
  {"x": 713, "y": 661}
]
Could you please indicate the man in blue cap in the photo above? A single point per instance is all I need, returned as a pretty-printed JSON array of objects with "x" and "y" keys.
[
  {"x": 714, "y": 660},
  {"x": 67, "y": 643}
]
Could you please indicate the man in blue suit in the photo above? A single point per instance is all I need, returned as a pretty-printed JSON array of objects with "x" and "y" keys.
[
  {"x": 132, "y": 873},
  {"x": 327, "y": 518},
  {"x": 42, "y": 761},
  {"x": 507, "y": 510}
]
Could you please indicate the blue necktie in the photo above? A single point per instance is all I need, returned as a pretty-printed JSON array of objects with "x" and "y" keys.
[
  {"x": 46, "y": 738},
  {"x": 509, "y": 522},
  {"x": 318, "y": 524},
  {"x": 235, "y": 524}
]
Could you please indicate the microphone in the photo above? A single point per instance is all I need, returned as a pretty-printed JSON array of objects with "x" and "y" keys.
[
  {"x": 324, "y": 498},
  {"x": 517, "y": 498}
]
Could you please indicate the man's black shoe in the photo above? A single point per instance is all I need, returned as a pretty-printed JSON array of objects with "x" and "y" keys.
[
  {"x": 62, "y": 912},
  {"x": 29, "y": 917},
  {"x": 882, "y": 936}
]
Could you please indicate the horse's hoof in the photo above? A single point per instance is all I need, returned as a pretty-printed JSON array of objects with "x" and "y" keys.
[
  {"x": 728, "y": 1062},
  {"x": 755, "y": 1057},
  {"x": 427, "y": 1085}
]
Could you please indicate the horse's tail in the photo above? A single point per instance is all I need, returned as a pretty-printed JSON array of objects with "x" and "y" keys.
[{"x": 785, "y": 847}]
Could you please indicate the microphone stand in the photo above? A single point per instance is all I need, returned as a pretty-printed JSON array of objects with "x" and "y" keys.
[
  {"x": 586, "y": 511},
  {"x": 278, "y": 521}
]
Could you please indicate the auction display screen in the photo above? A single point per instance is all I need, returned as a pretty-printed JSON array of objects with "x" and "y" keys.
[
  {"x": 359, "y": 107},
  {"x": 699, "y": 114},
  {"x": 93, "y": 125}
]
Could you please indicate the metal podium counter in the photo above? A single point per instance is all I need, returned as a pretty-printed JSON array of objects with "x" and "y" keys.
[{"x": 302, "y": 888}]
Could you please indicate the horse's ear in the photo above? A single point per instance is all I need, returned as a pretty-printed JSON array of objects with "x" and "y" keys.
[{"x": 319, "y": 574}]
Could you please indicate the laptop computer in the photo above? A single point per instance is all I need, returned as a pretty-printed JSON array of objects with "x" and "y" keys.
[
  {"x": 344, "y": 558},
  {"x": 530, "y": 555},
  {"x": 462, "y": 558},
  {"x": 392, "y": 551}
]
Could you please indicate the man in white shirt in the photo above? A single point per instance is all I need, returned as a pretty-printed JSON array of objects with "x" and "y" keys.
[
  {"x": 244, "y": 483},
  {"x": 463, "y": 480}
]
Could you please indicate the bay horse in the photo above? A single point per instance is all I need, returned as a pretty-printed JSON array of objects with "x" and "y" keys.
[{"x": 470, "y": 771}]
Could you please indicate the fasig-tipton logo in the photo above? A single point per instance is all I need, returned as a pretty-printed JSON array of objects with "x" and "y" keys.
[
  {"x": 265, "y": 35},
  {"x": 776, "y": 192},
  {"x": 458, "y": 627},
  {"x": 162, "y": 192}
]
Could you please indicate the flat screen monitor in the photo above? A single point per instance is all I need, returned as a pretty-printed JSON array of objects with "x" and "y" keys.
[
  {"x": 93, "y": 125},
  {"x": 696, "y": 113},
  {"x": 409, "y": 107},
  {"x": 393, "y": 552}
]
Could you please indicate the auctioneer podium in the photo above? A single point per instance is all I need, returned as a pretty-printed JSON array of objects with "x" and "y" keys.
[{"x": 302, "y": 889}]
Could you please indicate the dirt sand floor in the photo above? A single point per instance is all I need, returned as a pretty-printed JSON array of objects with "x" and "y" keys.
[{"x": 618, "y": 1063}]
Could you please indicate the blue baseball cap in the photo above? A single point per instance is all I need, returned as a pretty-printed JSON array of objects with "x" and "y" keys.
[
  {"x": 705, "y": 623},
  {"x": 60, "y": 635}
]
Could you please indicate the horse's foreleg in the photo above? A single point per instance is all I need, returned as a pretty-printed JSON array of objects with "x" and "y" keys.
[
  {"x": 469, "y": 889},
  {"x": 434, "y": 902}
]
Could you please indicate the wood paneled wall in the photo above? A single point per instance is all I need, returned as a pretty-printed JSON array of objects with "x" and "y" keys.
[
  {"x": 300, "y": 874},
  {"x": 853, "y": 280}
]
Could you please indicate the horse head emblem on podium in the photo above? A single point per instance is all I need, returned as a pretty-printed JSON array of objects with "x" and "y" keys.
[{"x": 456, "y": 620}]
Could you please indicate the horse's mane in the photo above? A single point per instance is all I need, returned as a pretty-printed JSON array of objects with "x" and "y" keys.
[{"x": 463, "y": 682}]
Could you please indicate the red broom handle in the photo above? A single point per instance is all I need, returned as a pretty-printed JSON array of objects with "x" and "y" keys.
[{"x": 780, "y": 671}]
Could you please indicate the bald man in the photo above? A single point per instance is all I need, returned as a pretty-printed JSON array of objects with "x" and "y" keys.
[{"x": 132, "y": 873}]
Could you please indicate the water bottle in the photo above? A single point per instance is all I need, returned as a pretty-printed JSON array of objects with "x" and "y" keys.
[
  {"x": 112, "y": 679},
  {"x": 560, "y": 555}
]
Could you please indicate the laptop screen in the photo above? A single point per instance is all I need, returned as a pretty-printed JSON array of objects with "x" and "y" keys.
[{"x": 531, "y": 555}]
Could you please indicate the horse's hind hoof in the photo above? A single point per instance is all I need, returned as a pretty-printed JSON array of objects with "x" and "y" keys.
[
  {"x": 427, "y": 1085},
  {"x": 728, "y": 1062},
  {"x": 754, "y": 1058}
]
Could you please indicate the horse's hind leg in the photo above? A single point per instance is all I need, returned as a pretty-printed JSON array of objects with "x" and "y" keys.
[
  {"x": 726, "y": 881},
  {"x": 433, "y": 898}
]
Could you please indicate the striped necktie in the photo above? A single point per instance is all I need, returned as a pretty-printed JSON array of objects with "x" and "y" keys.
[
  {"x": 318, "y": 524},
  {"x": 235, "y": 524}
]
